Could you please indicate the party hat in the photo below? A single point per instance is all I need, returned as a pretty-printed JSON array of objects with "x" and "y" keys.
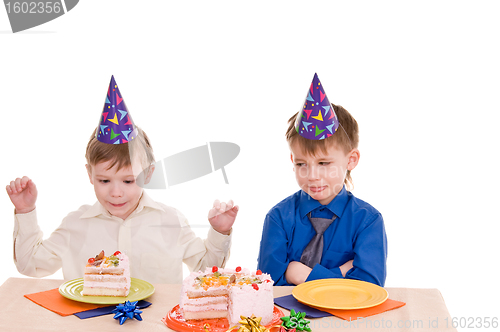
[
  {"x": 116, "y": 125},
  {"x": 317, "y": 119}
]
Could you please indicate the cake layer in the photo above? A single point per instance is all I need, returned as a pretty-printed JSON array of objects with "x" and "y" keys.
[
  {"x": 190, "y": 315},
  {"x": 205, "y": 300},
  {"x": 99, "y": 291},
  {"x": 106, "y": 278},
  {"x": 123, "y": 285},
  {"x": 208, "y": 307},
  {"x": 104, "y": 270},
  {"x": 198, "y": 293}
]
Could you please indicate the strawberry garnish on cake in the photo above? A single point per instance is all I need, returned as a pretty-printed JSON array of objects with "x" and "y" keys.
[
  {"x": 227, "y": 293},
  {"x": 107, "y": 276}
]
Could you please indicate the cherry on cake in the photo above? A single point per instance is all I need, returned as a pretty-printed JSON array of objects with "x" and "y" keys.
[
  {"x": 107, "y": 276},
  {"x": 227, "y": 293}
]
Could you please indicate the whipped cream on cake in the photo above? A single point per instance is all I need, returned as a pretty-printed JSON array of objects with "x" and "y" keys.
[
  {"x": 107, "y": 276},
  {"x": 227, "y": 293}
]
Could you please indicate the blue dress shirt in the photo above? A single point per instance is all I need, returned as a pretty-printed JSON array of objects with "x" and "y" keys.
[{"x": 358, "y": 233}]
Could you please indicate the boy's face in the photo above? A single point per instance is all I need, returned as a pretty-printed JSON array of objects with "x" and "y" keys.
[
  {"x": 116, "y": 190},
  {"x": 322, "y": 176}
]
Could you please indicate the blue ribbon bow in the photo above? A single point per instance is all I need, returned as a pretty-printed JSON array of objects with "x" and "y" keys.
[{"x": 127, "y": 310}]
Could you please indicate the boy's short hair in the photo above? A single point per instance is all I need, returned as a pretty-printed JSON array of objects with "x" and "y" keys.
[
  {"x": 346, "y": 137},
  {"x": 120, "y": 154}
]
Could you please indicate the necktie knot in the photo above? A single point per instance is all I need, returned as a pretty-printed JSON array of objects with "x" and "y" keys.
[
  {"x": 320, "y": 224},
  {"x": 314, "y": 250}
]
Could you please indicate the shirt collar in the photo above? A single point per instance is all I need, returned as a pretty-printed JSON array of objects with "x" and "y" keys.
[
  {"x": 97, "y": 209},
  {"x": 337, "y": 205}
]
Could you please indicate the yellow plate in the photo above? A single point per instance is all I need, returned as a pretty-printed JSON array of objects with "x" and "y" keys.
[
  {"x": 340, "y": 294},
  {"x": 139, "y": 289}
]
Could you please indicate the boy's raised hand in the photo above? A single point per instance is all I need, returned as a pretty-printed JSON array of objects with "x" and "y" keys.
[
  {"x": 22, "y": 193},
  {"x": 222, "y": 216}
]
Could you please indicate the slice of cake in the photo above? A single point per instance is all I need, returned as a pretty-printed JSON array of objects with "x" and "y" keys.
[
  {"x": 107, "y": 276},
  {"x": 227, "y": 293}
]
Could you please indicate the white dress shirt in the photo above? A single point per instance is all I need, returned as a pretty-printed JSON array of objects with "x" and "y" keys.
[{"x": 157, "y": 239}]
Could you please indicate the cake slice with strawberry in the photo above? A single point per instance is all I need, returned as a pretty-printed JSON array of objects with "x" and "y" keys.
[
  {"x": 227, "y": 293},
  {"x": 107, "y": 276}
]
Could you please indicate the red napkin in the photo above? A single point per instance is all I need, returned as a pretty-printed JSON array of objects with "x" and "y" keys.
[
  {"x": 57, "y": 303},
  {"x": 354, "y": 314}
]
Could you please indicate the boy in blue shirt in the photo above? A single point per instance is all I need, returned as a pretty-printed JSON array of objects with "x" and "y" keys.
[{"x": 323, "y": 231}]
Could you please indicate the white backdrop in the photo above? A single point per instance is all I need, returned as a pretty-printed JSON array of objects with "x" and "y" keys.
[{"x": 422, "y": 80}]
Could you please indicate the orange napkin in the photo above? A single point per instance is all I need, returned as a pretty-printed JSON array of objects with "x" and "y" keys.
[
  {"x": 354, "y": 314},
  {"x": 57, "y": 303}
]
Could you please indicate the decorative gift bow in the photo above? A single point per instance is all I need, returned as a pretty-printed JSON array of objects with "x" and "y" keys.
[{"x": 127, "y": 310}]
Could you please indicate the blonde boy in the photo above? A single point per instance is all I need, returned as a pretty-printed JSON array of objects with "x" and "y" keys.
[
  {"x": 157, "y": 238},
  {"x": 352, "y": 243}
]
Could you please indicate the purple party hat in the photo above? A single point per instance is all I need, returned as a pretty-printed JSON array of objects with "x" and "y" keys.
[
  {"x": 116, "y": 125},
  {"x": 317, "y": 119}
]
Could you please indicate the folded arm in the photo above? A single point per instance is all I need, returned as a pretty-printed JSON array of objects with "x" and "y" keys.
[
  {"x": 370, "y": 255},
  {"x": 273, "y": 257}
]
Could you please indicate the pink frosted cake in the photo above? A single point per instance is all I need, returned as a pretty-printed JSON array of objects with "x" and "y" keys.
[
  {"x": 227, "y": 293},
  {"x": 107, "y": 276}
]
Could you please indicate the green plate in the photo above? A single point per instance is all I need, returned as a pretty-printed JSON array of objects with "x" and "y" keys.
[{"x": 139, "y": 289}]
